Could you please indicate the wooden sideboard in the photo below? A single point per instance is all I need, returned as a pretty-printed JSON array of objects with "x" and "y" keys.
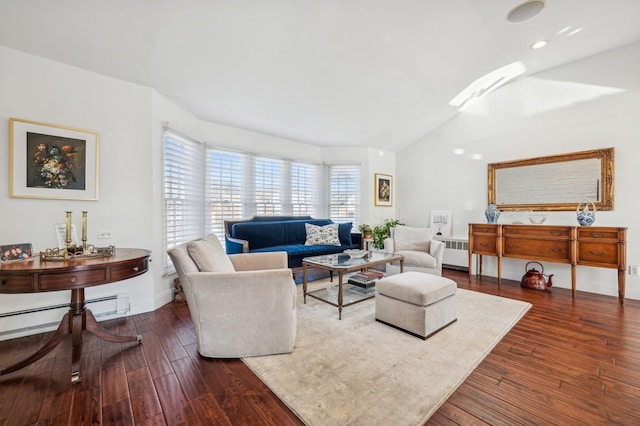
[
  {"x": 597, "y": 246},
  {"x": 36, "y": 275}
]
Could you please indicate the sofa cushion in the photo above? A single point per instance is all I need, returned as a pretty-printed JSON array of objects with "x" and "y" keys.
[
  {"x": 297, "y": 252},
  {"x": 269, "y": 234},
  {"x": 417, "y": 288},
  {"x": 209, "y": 257},
  {"x": 420, "y": 259},
  {"x": 344, "y": 232},
  {"x": 408, "y": 238},
  {"x": 322, "y": 235}
]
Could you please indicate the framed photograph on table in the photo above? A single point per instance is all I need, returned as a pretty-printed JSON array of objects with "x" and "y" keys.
[
  {"x": 51, "y": 161},
  {"x": 9, "y": 252},
  {"x": 383, "y": 190},
  {"x": 61, "y": 235}
]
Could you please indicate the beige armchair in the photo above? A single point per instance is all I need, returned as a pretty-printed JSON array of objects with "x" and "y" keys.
[
  {"x": 421, "y": 252},
  {"x": 241, "y": 305}
]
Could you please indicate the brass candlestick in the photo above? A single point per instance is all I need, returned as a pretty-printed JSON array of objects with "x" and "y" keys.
[
  {"x": 68, "y": 234},
  {"x": 71, "y": 252},
  {"x": 84, "y": 231}
]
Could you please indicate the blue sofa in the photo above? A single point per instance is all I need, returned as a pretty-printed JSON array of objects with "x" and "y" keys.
[{"x": 284, "y": 233}]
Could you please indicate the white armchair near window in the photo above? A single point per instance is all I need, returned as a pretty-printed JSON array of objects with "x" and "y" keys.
[{"x": 421, "y": 252}]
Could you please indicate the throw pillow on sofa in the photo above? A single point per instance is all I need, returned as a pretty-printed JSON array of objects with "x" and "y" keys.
[{"x": 322, "y": 235}]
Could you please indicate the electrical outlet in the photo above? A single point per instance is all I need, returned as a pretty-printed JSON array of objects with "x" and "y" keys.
[
  {"x": 105, "y": 234},
  {"x": 634, "y": 270}
]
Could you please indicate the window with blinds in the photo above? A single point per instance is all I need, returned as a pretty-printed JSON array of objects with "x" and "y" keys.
[
  {"x": 183, "y": 172},
  {"x": 204, "y": 186},
  {"x": 343, "y": 183},
  {"x": 268, "y": 186},
  {"x": 224, "y": 190},
  {"x": 305, "y": 198}
]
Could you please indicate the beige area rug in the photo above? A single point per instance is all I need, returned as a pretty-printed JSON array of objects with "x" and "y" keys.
[{"x": 361, "y": 372}]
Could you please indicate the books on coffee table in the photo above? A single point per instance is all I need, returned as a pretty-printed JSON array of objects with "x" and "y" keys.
[{"x": 365, "y": 279}]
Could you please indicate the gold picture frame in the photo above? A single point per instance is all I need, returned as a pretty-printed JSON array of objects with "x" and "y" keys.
[
  {"x": 383, "y": 194},
  {"x": 50, "y": 161},
  {"x": 554, "y": 182}
]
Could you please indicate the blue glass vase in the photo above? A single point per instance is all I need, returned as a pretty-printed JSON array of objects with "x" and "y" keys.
[
  {"x": 585, "y": 216},
  {"x": 492, "y": 213}
]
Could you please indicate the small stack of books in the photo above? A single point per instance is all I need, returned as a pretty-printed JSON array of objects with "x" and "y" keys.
[{"x": 365, "y": 279}]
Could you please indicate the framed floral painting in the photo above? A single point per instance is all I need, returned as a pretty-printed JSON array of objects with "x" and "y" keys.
[
  {"x": 383, "y": 190},
  {"x": 51, "y": 161}
]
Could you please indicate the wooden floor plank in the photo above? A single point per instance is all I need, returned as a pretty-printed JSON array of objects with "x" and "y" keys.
[
  {"x": 144, "y": 399},
  {"x": 568, "y": 361}
]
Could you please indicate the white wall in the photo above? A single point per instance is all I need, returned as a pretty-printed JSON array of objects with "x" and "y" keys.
[
  {"x": 593, "y": 103},
  {"x": 37, "y": 89}
]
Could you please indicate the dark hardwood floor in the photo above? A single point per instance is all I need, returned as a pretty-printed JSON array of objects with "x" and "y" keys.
[{"x": 570, "y": 362}]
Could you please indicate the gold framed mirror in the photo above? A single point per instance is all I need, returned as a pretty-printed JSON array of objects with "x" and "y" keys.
[{"x": 553, "y": 183}]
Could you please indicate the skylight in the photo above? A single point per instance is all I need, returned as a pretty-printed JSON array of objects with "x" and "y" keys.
[{"x": 487, "y": 84}]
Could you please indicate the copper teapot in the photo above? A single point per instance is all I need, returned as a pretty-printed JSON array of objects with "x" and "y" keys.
[{"x": 534, "y": 279}]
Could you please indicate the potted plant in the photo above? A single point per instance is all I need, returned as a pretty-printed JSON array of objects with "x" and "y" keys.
[
  {"x": 381, "y": 232},
  {"x": 367, "y": 232}
]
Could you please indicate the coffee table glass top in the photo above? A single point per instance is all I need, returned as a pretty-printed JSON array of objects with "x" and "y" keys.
[{"x": 343, "y": 261}]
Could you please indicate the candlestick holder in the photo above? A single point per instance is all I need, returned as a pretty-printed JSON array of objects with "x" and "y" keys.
[{"x": 71, "y": 252}]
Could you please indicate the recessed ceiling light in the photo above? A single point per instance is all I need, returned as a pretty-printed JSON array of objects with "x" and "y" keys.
[
  {"x": 525, "y": 11},
  {"x": 477, "y": 156},
  {"x": 538, "y": 44},
  {"x": 577, "y": 30},
  {"x": 564, "y": 30},
  {"x": 458, "y": 151}
]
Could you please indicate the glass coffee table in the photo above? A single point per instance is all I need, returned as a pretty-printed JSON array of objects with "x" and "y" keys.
[{"x": 346, "y": 294}]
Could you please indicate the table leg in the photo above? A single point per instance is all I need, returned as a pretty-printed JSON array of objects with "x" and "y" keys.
[
  {"x": 339, "y": 295},
  {"x": 63, "y": 330},
  {"x": 77, "y": 319},
  {"x": 96, "y": 329},
  {"x": 621, "y": 284},
  {"x": 304, "y": 282}
]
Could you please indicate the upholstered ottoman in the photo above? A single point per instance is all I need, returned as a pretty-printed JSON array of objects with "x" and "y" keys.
[{"x": 418, "y": 303}]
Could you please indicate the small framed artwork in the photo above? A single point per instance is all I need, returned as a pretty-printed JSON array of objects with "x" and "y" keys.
[
  {"x": 61, "y": 235},
  {"x": 51, "y": 161},
  {"x": 440, "y": 223},
  {"x": 383, "y": 190},
  {"x": 10, "y": 252}
]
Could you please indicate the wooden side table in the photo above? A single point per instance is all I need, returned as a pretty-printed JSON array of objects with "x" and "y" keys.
[
  {"x": 367, "y": 244},
  {"x": 36, "y": 276}
]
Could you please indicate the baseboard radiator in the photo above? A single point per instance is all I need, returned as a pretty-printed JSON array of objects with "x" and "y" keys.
[
  {"x": 456, "y": 254},
  {"x": 106, "y": 306}
]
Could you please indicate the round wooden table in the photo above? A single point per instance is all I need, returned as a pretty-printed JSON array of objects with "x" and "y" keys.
[{"x": 36, "y": 276}]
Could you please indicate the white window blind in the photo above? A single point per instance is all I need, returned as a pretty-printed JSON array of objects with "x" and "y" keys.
[
  {"x": 305, "y": 198},
  {"x": 343, "y": 182},
  {"x": 268, "y": 186},
  {"x": 183, "y": 190},
  {"x": 225, "y": 189}
]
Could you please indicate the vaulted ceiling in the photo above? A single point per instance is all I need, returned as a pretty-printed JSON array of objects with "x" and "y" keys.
[{"x": 376, "y": 73}]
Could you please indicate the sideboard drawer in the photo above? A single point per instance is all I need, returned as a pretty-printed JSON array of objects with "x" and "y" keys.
[
  {"x": 485, "y": 244},
  {"x": 69, "y": 280},
  {"x": 119, "y": 273},
  {"x": 558, "y": 251},
  {"x": 485, "y": 229},
  {"x": 597, "y": 253},
  {"x": 16, "y": 283},
  {"x": 598, "y": 233},
  {"x": 537, "y": 231}
]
